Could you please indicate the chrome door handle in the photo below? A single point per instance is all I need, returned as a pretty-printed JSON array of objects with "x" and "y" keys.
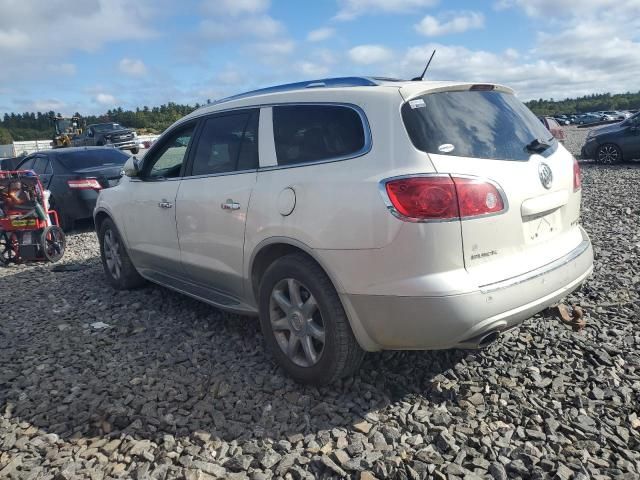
[
  {"x": 230, "y": 205},
  {"x": 165, "y": 204}
]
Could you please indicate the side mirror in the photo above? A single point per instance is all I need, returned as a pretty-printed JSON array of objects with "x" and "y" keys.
[{"x": 132, "y": 167}]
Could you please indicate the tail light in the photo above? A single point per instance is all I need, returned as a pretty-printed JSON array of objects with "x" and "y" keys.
[
  {"x": 577, "y": 183},
  {"x": 84, "y": 184},
  {"x": 442, "y": 198}
]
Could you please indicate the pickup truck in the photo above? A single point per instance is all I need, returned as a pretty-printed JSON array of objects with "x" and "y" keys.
[{"x": 114, "y": 134}]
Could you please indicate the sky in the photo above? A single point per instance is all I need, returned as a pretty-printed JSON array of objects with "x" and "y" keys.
[{"x": 103, "y": 54}]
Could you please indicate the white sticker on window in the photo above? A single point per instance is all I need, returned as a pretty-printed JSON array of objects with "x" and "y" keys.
[
  {"x": 419, "y": 103},
  {"x": 446, "y": 148}
]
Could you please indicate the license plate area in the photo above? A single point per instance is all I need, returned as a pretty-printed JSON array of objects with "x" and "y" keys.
[{"x": 540, "y": 228}]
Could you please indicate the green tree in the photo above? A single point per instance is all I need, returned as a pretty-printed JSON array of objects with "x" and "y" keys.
[{"x": 5, "y": 136}]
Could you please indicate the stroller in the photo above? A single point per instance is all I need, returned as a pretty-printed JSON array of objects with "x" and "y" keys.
[{"x": 29, "y": 231}]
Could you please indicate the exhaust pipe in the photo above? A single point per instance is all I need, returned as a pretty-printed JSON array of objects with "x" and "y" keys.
[
  {"x": 481, "y": 341},
  {"x": 489, "y": 338}
]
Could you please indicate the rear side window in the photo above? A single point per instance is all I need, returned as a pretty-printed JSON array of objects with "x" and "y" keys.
[
  {"x": 228, "y": 143},
  {"x": 90, "y": 158},
  {"x": 475, "y": 124},
  {"x": 309, "y": 133}
]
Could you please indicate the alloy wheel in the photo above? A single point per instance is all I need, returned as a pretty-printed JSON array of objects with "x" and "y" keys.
[
  {"x": 608, "y": 154},
  {"x": 297, "y": 322},
  {"x": 112, "y": 256}
]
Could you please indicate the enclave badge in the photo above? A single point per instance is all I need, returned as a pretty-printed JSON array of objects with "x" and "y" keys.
[{"x": 546, "y": 175}]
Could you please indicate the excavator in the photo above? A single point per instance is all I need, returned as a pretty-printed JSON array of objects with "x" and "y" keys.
[{"x": 65, "y": 129}]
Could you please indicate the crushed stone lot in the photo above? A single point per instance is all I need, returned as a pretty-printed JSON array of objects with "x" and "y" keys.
[{"x": 169, "y": 388}]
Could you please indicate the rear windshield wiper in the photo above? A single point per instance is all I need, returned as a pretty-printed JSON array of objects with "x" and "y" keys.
[{"x": 537, "y": 146}]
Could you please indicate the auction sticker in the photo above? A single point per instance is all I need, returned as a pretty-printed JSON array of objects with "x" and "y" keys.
[
  {"x": 446, "y": 148},
  {"x": 419, "y": 103}
]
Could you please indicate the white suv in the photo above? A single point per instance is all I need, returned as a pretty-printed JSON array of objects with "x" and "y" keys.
[{"x": 355, "y": 214}]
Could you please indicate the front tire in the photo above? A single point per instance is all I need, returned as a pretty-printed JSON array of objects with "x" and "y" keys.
[
  {"x": 135, "y": 151},
  {"x": 608, "y": 154},
  {"x": 304, "y": 323},
  {"x": 118, "y": 268}
]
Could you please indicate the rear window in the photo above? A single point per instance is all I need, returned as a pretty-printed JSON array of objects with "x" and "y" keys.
[
  {"x": 309, "y": 133},
  {"x": 92, "y": 158},
  {"x": 476, "y": 124}
]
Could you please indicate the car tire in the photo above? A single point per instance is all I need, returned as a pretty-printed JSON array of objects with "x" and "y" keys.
[
  {"x": 135, "y": 151},
  {"x": 300, "y": 308},
  {"x": 608, "y": 154},
  {"x": 118, "y": 268}
]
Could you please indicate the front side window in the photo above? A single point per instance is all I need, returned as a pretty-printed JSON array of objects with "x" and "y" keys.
[
  {"x": 228, "y": 143},
  {"x": 167, "y": 161},
  {"x": 475, "y": 124},
  {"x": 308, "y": 133}
]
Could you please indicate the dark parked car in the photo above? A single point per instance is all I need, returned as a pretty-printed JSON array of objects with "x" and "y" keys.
[
  {"x": 108, "y": 134},
  {"x": 587, "y": 118},
  {"x": 75, "y": 176},
  {"x": 614, "y": 143},
  {"x": 553, "y": 126}
]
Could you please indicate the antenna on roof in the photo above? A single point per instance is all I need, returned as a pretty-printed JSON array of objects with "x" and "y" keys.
[{"x": 421, "y": 77}]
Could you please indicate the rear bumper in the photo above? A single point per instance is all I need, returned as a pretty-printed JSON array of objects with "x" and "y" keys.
[{"x": 439, "y": 322}]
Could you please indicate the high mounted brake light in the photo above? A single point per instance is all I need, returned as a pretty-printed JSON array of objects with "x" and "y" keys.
[
  {"x": 441, "y": 198},
  {"x": 482, "y": 87}
]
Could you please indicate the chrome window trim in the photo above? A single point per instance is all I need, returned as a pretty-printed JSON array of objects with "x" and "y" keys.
[
  {"x": 366, "y": 129},
  {"x": 368, "y": 140},
  {"x": 221, "y": 174},
  {"x": 382, "y": 188}
]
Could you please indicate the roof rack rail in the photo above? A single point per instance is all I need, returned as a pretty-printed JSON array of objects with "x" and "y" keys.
[{"x": 322, "y": 83}]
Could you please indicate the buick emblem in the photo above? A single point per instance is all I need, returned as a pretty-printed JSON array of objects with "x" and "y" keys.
[{"x": 546, "y": 175}]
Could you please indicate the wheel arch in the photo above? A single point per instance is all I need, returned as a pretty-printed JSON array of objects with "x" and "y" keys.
[{"x": 269, "y": 250}]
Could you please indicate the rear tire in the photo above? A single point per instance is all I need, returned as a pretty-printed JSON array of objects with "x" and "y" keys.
[
  {"x": 304, "y": 323},
  {"x": 135, "y": 151},
  {"x": 118, "y": 268},
  {"x": 608, "y": 154}
]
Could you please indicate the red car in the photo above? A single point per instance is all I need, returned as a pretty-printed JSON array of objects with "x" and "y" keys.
[{"x": 554, "y": 127}]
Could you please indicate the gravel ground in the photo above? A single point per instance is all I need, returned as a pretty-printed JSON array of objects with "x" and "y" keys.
[{"x": 167, "y": 387}]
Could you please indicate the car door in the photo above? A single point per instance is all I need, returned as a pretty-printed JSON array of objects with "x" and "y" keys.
[
  {"x": 213, "y": 201},
  {"x": 150, "y": 219},
  {"x": 631, "y": 149}
]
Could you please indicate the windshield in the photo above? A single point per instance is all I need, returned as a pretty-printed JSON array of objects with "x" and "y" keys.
[
  {"x": 477, "y": 124},
  {"x": 107, "y": 127},
  {"x": 92, "y": 158}
]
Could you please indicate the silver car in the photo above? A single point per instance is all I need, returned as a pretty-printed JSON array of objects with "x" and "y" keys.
[{"x": 355, "y": 214}]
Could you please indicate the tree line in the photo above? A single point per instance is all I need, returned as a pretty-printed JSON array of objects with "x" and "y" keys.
[{"x": 38, "y": 125}]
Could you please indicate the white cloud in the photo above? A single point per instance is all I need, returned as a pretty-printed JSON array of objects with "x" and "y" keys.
[
  {"x": 133, "y": 67},
  {"x": 105, "y": 99},
  {"x": 312, "y": 69},
  {"x": 320, "y": 34},
  {"x": 40, "y": 34},
  {"x": 235, "y": 7},
  {"x": 67, "y": 69},
  {"x": 454, "y": 22},
  {"x": 274, "y": 49},
  {"x": 221, "y": 30},
  {"x": 46, "y": 105},
  {"x": 13, "y": 39},
  {"x": 554, "y": 8},
  {"x": 370, "y": 54},
  {"x": 350, "y": 9}
]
